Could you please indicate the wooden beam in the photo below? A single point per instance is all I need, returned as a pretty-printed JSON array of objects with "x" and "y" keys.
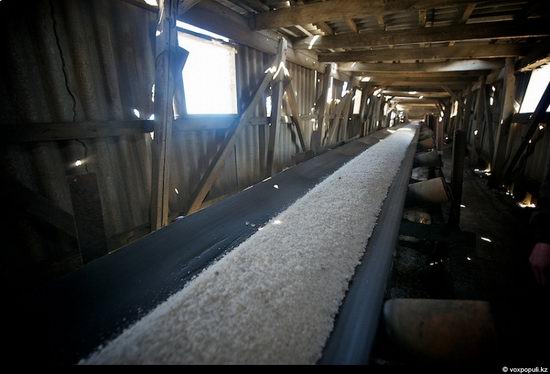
[
  {"x": 422, "y": 16},
  {"x": 165, "y": 57},
  {"x": 292, "y": 101},
  {"x": 473, "y": 32},
  {"x": 426, "y": 94},
  {"x": 468, "y": 10},
  {"x": 318, "y": 134},
  {"x": 450, "y": 66},
  {"x": 480, "y": 110},
  {"x": 346, "y": 117},
  {"x": 325, "y": 28},
  {"x": 380, "y": 21},
  {"x": 351, "y": 24},
  {"x": 217, "y": 163},
  {"x": 507, "y": 112},
  {"x": 277, "y": 90},
  {"x": 489, "y": 124},
  {"x": 416, "y": 86},
  {"x": 257, "y": 5},
  {"x": 433, "y": 53},
  {"x": 535, "y": 59},
  {"x": 45, "y": 132},
  {"x": 339, "y": 9},
  {"x": 336, "y": 119},
  {"x": 414, "y": 100},
  {"x": 400, "y": 79},
  {"x": 524, "y": 118},
  {"x": 449, "y": 91},
  {"x": 468, "y": 75}
]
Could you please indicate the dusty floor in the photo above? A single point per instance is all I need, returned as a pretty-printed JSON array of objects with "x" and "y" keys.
[{"x": 497, "y": 271}]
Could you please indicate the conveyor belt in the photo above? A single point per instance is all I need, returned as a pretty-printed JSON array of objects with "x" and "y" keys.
[
  {"x": 97, "y": 302},
  {"x": 355, "y": 327}
]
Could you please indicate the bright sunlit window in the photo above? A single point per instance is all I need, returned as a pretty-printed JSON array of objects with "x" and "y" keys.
[
  {"x": 209, "y": 77},
  {"x": 537, "y": 84}
]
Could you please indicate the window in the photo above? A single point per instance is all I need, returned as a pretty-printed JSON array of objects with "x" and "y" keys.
[
  {"x": 209, "y": 77},
  {"x": 537, "y": 84}
]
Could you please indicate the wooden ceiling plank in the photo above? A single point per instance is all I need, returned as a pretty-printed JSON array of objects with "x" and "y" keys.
[
  {"x": 473, "y": 32},
  {"x": 455, "y": 52},
  {"x": 450, "y": 66},
  {"x": 338, "y": 9}
]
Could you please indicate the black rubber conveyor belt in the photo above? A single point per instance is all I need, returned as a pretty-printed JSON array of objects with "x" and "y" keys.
[{"x": 71, "y": 317}]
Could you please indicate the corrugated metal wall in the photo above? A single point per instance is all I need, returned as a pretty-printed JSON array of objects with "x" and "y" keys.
[
  {"x": 101, "y": 54},
  {"x": 107, "y": 66},
  {"x": 536, "y": 163}
]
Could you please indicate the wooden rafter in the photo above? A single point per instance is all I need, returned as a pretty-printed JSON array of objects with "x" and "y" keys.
[
  {"x": 473, "y": 32},
  {"x": 450, "y": 66},
  {"x": 442, "y": 75},
  {"x": 338, "y": 9},
  {"x": 422, "y": 79},
  {"x": 456, "y": 52}
]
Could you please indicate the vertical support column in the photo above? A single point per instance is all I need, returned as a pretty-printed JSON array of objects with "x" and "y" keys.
[
  {"x": 346, "y": 115},
  {"x": 457, "y": 175},
  {"x": 292, "y": 102},
  {"x": 166, "y": 42},
  {"x": 465, "y": 125},
  {"x": 501, "y": 139},
  {"x": 317, "y": 135},
  {"x": 277, "y": 90},
  {"x": 363, "y": 109},
  {"x": 381, "y": 116},
  {"x": 480, "y": 109}
]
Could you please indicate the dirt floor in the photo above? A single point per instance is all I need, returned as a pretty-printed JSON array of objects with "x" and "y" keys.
[{"x": 497, "y": 271}]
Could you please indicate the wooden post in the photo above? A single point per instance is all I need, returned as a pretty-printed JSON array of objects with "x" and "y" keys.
[
  {"x": 345, "y": 119},
  {"x": 447, "y": 118},
  {"x": 499, "y": 156},
  {"x": 457, "y": 175},
  {"x": 336, "y": 120},
  {"x": 277, "y": 89},
  {"x": 166, "y": 42},
  {"x": 292, "y": 102},
  {"x": 363, "y": 110},
  {"x": 480, "y": 109},
  {"x": 381, "y": 117},
  {"x": 317, "y": 135}
]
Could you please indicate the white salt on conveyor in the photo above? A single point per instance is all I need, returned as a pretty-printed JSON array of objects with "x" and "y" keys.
[{"x": 272, "y": 299}]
